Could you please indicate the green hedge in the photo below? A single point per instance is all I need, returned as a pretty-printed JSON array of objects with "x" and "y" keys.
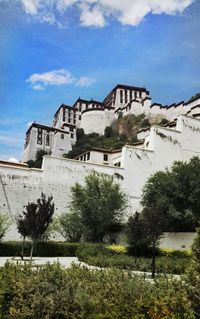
[
  {"x": 42, "y": 249},
  {"x": 56, "y": 293},
  {"x": 167, "y": 261}
]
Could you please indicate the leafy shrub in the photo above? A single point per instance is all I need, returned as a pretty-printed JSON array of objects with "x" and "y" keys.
[
  {"x": 115, "y": 256},
  {"x": 43, "y": 249},
  {"x": 56, "y": 293},
  {"x": 118, "y": 248},
  {"x": 86, "y": 250}
]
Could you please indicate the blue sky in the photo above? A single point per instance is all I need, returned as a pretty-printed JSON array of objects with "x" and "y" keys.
[{"x": 53, "y": 51}]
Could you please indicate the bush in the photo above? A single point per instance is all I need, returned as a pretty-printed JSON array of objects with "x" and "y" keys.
[
  {"x": 43, "y": 249},
  {"x": 114, "y": 256},
  {"x": 56, "y": 293}
]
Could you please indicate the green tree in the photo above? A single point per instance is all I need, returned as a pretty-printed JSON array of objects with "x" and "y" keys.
[
  {"x": 171, "y": 201},
  {"x": 192, "y": 277},
  {"x": 23, "y": 229},
  {"x": 35, "y": 219},
  {"x": 4, "y": 224},
  {"x": 37, "y": 163},
  {"x": 157, "y": 209},
  {"x": 70, "y": 227},
  {"x": 136, "y": 233},
  {"x": 100, "y": 204}
]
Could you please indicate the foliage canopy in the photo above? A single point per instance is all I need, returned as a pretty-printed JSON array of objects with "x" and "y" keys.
[{"x": 100, "y": 204}]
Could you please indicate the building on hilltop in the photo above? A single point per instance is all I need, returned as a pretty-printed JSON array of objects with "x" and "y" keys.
[{"x": 94, "y": 116}]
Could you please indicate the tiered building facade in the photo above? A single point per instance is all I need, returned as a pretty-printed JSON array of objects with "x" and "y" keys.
[{"x": 95, "y": 116}]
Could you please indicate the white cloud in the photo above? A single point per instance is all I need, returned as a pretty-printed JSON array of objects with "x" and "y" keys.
[
  {"x": 91, "y": 16},
  {"x": 96, "y": 12},
  {"x": 63, "y": 5},
  {"x": 85, "y": 81},
  {"x": 39, "y": 81}
]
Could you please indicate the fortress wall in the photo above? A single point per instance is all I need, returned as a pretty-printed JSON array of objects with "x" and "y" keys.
[
  {"x": 136, "y": 108},
  {"x": 190, "y": 137},
  {"x": 93, "y": 121},
  {"x": 140, "y": 164},
  {"x": 23, "y": 185}
]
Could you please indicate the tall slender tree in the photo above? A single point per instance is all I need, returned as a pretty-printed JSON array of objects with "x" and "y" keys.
[{"x": 35, "y": 219}]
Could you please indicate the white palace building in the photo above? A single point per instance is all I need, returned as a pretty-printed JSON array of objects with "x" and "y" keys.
[{"x": 158, "y": 148}]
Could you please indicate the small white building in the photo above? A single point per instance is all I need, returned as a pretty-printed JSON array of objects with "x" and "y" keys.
[{"x": 101, "y": 156}]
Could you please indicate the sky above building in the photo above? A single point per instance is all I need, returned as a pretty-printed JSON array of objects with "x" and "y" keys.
[{"x": 54, "y": 51}]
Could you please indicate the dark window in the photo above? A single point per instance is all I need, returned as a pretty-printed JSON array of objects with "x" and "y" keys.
[
  {"x": 121, "y": 96},
  {"x": 47, "y": 139},
  {"x": 105, "y": 157},
  {"x": 71, "y": 129},
  {"x": 140, "y": 94},
  {"x": 79, "y": 117},
  {"x": 131, "y": 96},
  {"x": 135, "y": 94},
  {"x": 63, "y": 118},
  {"x": 79, "y": 109},
  {"x": 126, "y": 99},
  {"x": 62, "y": 136},
  {"x": 88, "y": 156},
  {"x": 74, "y": 121},
  {"x": 72, "y": 135},
  {"x": 69, "y": 120},
  {"x": 39, "y": 136}
]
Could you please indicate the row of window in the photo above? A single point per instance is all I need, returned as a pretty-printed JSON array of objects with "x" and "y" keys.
[
  {"x": 39, "y": 137},
  {"x": 85, "y": 157},
  {"x": 47, "y": 137},
  {"x": 125, "y": 93}
]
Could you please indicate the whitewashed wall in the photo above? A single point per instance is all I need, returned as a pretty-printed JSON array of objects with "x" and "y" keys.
[
  {"x": 56, "y": 177},
  {"x": 178, "y": 241}
]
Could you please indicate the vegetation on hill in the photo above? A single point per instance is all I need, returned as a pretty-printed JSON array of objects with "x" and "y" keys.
[
  {"x": 194, "y": 97},
  {"x": 122, "y": 131},
  {"x": 37, "y": 163}
]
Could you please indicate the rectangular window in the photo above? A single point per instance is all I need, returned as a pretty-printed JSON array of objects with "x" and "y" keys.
[
  {"x": 69, "y": 120},
  {"x": 126, "y": 98},
  {"x": 71, "y": 129},
  {"x": 121, "y": 96},
  {"x": 88, "y": 156},
  {"x": 72, "y": 135},
  {"x": 140, "y": 94},
  {"x": 131, "y": 95},
  {"x": 135, "y": 94},
  {"x": 47, "y": 140},
  {"x": 105, "y": 157},
  {"x": 39, "y": 136},
  {"x": 79, "y": 109},
  {"x": 79, "y": 117},
  {"x": 62, "y": 136}
]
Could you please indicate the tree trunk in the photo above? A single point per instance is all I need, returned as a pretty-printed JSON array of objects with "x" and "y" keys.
[
  {"x": 22, "y": 253},
  {"x": 153, "y": 264},
  {"x": 31, "y": 254}
]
